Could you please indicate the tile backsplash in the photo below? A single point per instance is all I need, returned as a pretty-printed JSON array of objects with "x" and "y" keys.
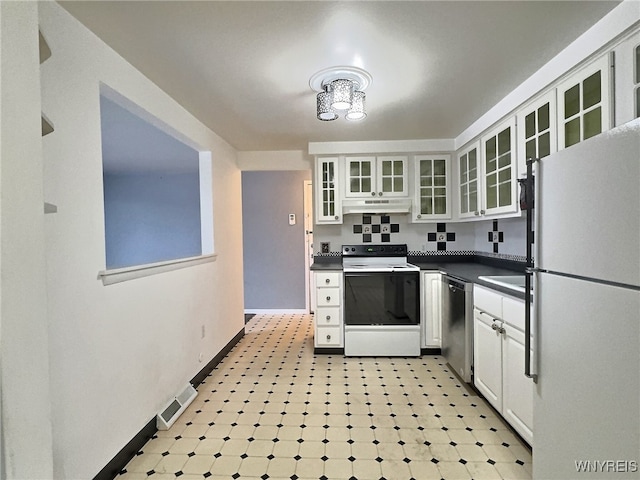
[{"x": 497, "y": 237}]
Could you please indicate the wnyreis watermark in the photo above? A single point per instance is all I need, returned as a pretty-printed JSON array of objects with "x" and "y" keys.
[{"x": 606, "y": 466}]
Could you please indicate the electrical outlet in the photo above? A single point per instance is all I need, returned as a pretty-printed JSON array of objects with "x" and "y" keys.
[{"x": 324, "y": 247}]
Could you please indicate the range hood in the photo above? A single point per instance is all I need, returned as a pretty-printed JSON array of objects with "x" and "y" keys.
[{"x": 376, "y": 206}]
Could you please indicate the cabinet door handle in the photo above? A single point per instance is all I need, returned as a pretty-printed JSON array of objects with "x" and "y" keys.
[
  {"x": 476, "y": 213},
  {"x": 373, "y": 194},
  {"x": 328, "y": 280},
  {"x": 336, "y": 217},
  {"x": 328, "y": 299},
  {"x": 419, "y": 216},
  {"x": 328, "y": 318},
  {"x": 379, "y": 194},
  {"x": 328, "y": 337},
  {"x": 494, "y": 326},
  {"x": 481, "y": 212}
]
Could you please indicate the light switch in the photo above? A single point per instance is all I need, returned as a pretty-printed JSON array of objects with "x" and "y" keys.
[{"x": 292, "y": 219}]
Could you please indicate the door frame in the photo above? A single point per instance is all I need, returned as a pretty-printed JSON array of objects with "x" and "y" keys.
[{"x": 308, "y": 242}]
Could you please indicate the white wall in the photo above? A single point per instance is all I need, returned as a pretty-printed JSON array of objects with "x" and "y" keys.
[
  {"x": 415, "y": 235},
  {"x": 275, "y": 160},
  {"x": 24, "y": 353},
  {"x": 118, "y": 353},
  {"x": 514, "y": 234},
  {"x": 469, "y": 236}
]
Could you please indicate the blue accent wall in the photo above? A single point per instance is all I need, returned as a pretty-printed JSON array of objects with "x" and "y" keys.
[
  {"x": 151, "y": 217},
  {"x": 273, "y": 250}
]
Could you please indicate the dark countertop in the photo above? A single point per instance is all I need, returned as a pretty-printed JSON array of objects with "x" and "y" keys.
[
  {"x": 334, "y": 264},
  {"x": 468, "y": 270}
]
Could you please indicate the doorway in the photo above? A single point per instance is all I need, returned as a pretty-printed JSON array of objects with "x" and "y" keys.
[{"x": 274, "y": 250}]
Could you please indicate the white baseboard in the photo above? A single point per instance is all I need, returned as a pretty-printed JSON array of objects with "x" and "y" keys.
[{"x": 276, "y": 311}]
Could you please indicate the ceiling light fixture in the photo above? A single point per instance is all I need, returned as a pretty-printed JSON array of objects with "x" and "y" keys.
[{"x": 340, "y": 91}]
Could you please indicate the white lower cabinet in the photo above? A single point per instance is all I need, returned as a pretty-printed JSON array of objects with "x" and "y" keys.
[
  {"x": 328, "y": 326},
  {"x": 498, "y": 358},
  {"x": 517, "y": 390},
  {"x": 431, "y": 310},
  {"x": 487, "y": 358}
]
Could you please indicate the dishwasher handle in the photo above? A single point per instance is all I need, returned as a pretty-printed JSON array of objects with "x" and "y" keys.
[{"x": 455, "y": 284}]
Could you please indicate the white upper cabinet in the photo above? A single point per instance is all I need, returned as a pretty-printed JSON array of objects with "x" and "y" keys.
[
  {"x": 627, "y": 79},
  {"x": 431, "y": 199},
  {"x": 536, "y": 130},
  {"x": 499, "y": 183},
  {"x": 376, "y": 176},
  {"x": 584, "y": 103},
  {"x": 327, "y": 191},
  {"x": 469, "y": 183},
  {"x": 487, "y": 174}
]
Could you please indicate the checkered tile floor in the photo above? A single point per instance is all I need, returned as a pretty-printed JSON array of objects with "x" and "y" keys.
[{"x": 274, "y": 410}]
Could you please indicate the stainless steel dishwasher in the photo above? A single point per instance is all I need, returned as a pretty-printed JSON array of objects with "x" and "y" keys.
[{"x": 457, "y": 325}]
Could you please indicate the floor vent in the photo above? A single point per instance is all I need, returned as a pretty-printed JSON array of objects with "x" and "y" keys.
[{"x": 174, "y": 409}]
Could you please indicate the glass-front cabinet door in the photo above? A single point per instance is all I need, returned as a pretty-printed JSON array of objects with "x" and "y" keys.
[
  {"x": 431, "y": 192},
  {"x": 382, "y": 176},
  {"x": 327, "y": 191},
  {"x": 536, "y": 131},
  {"x": 584, "y": 104},
  {"x": 469, "y": 168},
  {"x": 392, "y": 176},
  {"x": 360, "y": 179},
  {"x": 499, "y": 175}
]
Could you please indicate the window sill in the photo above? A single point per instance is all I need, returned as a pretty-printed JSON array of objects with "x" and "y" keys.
[{"x": 118, "y": 275}]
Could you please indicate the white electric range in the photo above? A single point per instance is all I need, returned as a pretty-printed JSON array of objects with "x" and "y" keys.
[{"x": 381, "y": 301}]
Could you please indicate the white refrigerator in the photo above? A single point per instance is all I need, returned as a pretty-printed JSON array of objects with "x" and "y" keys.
[{"x": 586, "y": 322}]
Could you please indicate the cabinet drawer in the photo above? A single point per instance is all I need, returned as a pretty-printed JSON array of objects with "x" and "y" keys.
[
  {"x": 328, "y": 337},
  {"x": 329, "y": 316},
  {"x": 513, "y": 312},
  {"x": 487, "y": 301},
  {"x": 328, "y": 297},
  {"x": 328, "y": 279}
]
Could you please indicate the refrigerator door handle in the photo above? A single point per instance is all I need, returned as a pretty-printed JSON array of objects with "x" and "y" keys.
[{"x": 530, "y": 195}]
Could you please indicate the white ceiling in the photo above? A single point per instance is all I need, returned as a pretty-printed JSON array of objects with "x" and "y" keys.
[{"x": 243, "y": 68}]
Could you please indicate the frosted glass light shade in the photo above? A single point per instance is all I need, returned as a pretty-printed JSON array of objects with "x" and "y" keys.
[
  {"x": 342, "y": 91},
  {"x": 325, "y": 113},
  {"x": 357, "y": 112}
]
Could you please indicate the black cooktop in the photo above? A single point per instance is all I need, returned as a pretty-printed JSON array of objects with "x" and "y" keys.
[{"x": 368, "y": 250}]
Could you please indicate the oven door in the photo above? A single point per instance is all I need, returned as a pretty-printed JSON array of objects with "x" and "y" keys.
[{"x": 381, "y": 298}]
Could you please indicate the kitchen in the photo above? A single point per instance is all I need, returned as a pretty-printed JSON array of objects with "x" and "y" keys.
[{"x": 72, "y": 250}]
